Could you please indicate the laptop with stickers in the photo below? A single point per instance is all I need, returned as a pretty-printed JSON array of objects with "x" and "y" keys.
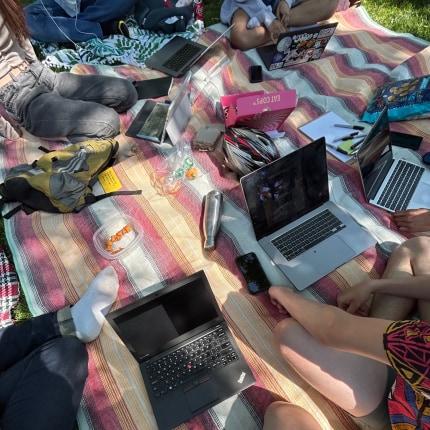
[{"x": 296, "y": 47}]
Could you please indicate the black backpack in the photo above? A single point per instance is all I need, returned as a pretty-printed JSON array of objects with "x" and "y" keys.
[
  {"x": 60, "y": 181},
  {"x": 152, "y": 14}
]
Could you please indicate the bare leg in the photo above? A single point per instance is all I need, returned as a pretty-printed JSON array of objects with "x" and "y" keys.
[
  {"x": 244, "y": 38},
  {"x": 355, "y": 383},
  {"x": 311, "y": 11},
  {"x": 285, "y": 416},
  {"x": 409, "y": 259}
]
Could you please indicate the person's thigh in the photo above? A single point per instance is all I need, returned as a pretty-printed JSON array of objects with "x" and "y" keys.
[
  {"x": 407, "y": 260},
  {"x": 379, "y": 419},
  {"x": 286, "y": 416},
  {"x": 43, "y": 391},
  {"x": 117, "y": 93},
  {"x": 357, "y": 384},
  {"x": 50, "y": 116},
  {"x": 44, "y": 20}
]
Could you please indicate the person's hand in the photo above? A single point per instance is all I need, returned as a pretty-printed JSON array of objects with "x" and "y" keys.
[
  {"x": 278, "y": 295},
  {"x": 283, "y": 13},
  {"x": 412, "y": 220},
  {"x": 354, "y": 299},
  {"x": 276, "y": 29}
]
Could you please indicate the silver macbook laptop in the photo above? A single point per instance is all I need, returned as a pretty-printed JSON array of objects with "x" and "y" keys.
[
  {"x": 179, "y": 54},
  {"x": 187, "y": 356},
  {"x": 296, "y": 47},
  {"x": 390, "y": 183},
  {"x": 304, "y": 233},
  {"x": 159, "y": 121}
]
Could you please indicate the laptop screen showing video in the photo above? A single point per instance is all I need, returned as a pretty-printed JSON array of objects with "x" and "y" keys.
[
  {"x": 160, "y": 323},
  {"x": 374, "y": 155},
  {"x": 288, "y": 188}
]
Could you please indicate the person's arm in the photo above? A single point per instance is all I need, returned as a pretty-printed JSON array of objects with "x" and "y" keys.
[
  {"x": 412, "y": 220},
  {"x": 332, "y": 326},
  {"x": 311, "y": 11},
  {"x": 415, "y": 287}
]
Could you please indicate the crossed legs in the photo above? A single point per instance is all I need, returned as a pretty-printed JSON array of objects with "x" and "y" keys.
[
  {"x": 355, "y": 383},
  {"x": 411, "y": 258}
]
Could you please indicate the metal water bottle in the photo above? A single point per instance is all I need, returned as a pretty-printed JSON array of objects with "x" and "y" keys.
[{"x": 212, "y": 218}]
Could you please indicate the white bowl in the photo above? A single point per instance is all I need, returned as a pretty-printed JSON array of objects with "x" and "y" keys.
[{"x": 117, "y": 236}]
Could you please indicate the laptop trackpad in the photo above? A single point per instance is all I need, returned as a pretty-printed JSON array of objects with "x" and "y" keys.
[
  {"x": 331, "y": 252},
  {"x": 421, "y": 197},
  {"x": 200, "y": 393}
]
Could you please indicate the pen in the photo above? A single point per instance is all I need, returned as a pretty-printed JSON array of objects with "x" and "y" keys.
[
  {"x": 350, "y": 136},
  {"x": 347, "y": 137},
  {"x": 353, "y": 127}
]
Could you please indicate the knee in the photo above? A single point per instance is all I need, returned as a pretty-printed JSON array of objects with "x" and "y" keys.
[
  {"x": 414, "y": 247},
  {"x": 283, "y": 415},
  {"x": 129, "y": 96},
  {"x": 67, "y": 356},
  {"x": 284, "y": 332},
  {"x": 240, "y": 40},
  {"x": 110, "y": 126}
]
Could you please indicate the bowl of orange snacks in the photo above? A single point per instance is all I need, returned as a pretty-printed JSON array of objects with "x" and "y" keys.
[{"x": 117, "y": 236}]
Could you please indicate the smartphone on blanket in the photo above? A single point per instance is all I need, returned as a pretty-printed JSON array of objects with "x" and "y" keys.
[{"x": 253, "y": 273}]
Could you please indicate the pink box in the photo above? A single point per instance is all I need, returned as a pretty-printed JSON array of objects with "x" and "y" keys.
[{"x": 257, "y": 109}]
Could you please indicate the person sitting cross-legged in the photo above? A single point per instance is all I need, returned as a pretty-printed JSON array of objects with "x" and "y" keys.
[{"x": 376, "y": 368}]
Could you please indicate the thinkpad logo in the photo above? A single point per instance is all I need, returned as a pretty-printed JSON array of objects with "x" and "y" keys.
[{"x": 241, "y": 378}]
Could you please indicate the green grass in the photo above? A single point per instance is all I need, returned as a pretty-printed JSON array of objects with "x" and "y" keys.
[{"x": 404, "y": 16}]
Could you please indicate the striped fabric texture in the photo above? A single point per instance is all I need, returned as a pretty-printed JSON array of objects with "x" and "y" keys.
[{"x": 55, "y": 257}]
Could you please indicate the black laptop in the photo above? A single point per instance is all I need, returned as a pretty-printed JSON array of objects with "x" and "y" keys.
[
  {"x": 187, "y": 356},
  {"x": 179, "y": 54}
]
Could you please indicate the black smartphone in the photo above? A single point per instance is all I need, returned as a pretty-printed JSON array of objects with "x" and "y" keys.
[
  {"x": 253, "y": 273},
  {"x": 405, "y": 140},
  {"x": 255, "y": 74}
]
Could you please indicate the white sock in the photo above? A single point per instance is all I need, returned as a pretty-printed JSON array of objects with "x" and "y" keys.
[{"x": 88, "y": 313}]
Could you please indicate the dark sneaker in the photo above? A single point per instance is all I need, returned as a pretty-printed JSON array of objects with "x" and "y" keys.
[{"x": 123, "y": 29}]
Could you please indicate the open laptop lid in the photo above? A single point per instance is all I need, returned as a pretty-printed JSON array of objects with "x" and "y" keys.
[
  {"x": 375, "y": 155},
  {"x": 156, "y": 120},
  {"x": 297, "y": 183},
  {"x": 167, "y": 317},
  {"x": 179, "y": 112},
  {"x": 298, "y": 46}
]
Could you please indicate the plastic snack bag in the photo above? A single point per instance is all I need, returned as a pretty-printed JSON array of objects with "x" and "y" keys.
[{"x": 176, "y": 168}]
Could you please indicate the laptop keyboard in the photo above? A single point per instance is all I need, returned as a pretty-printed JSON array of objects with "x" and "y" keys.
[
  {"x": 177, "y": 368},
  {"x": 306, "y": 235},
  {"x": 399, "y": 189},
  {"x": 181, "y": 57}
]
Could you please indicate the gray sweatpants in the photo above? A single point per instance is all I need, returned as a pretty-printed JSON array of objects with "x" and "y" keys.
[{"x": 79, "y": 107}]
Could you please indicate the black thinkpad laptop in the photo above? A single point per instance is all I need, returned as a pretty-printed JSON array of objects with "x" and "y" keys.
[{"x": 186, "y": 353}]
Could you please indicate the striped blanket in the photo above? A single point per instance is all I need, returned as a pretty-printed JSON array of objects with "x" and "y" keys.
[{"x": 55, "y": 257}]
